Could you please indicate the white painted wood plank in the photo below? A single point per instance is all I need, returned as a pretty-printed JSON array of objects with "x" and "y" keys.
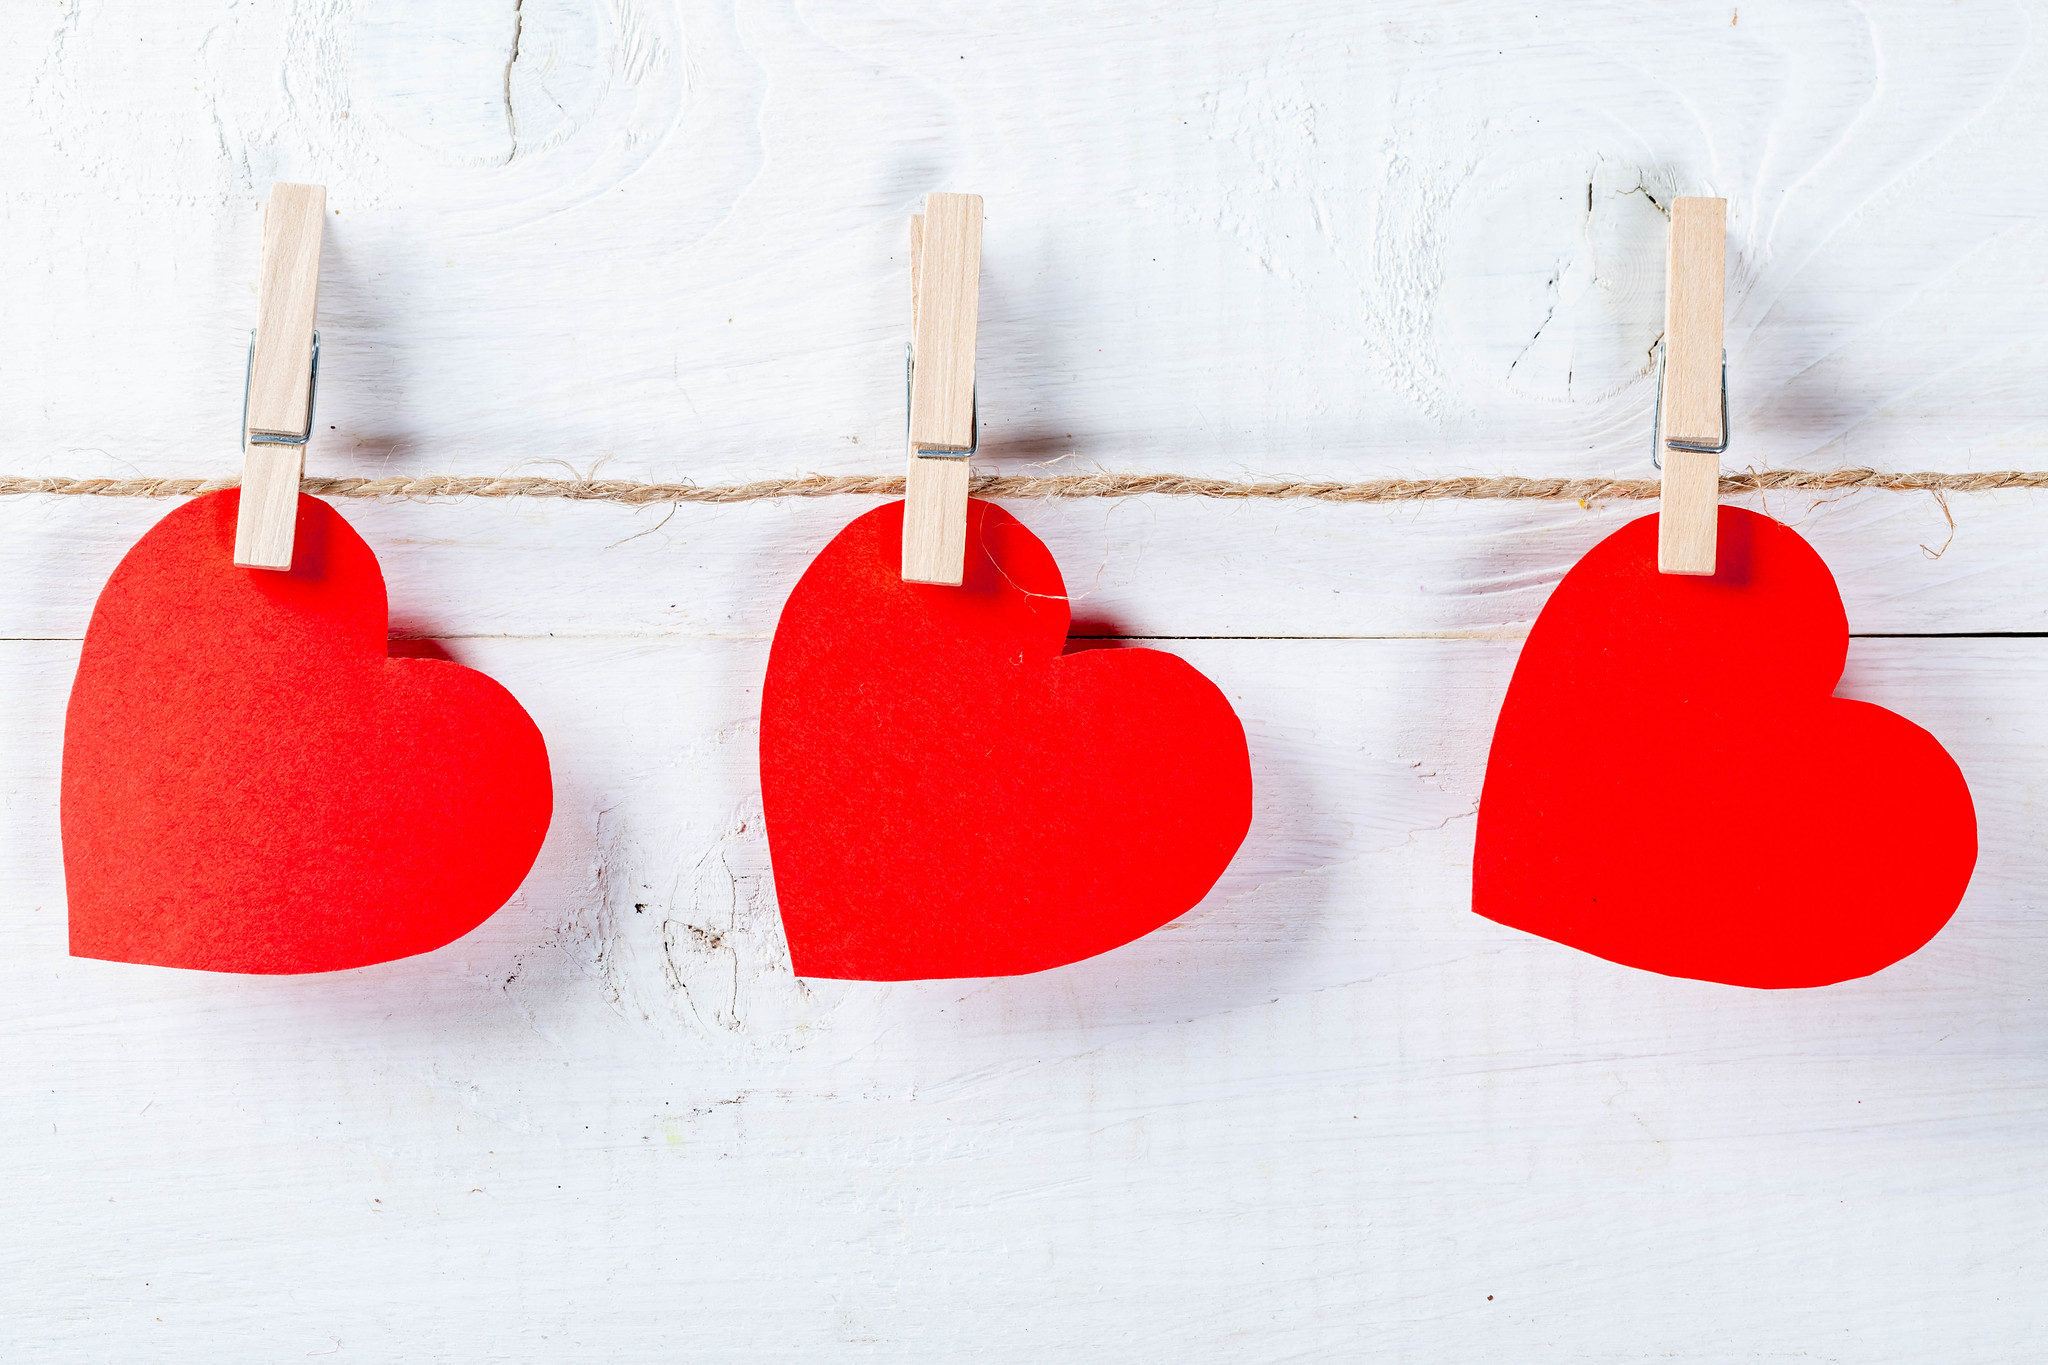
[
  {"x": 1139, "y": 566},
  {"x": 1329, "y": 1107},
  {"x": 1314, "y": 238}
]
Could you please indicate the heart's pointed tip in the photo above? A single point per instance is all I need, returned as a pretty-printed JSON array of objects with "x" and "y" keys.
[
  {"x": 821, "y": 966},
  {"x": 1502, "y": 920},
  {"x": 849, "y": 973},
  {"x": 1568, "y": 848},
  {"x": 882, "y": 967},
  {"x": 83, "y": 943},
  {"x": 410, "y": 803},
  {"x": 85, "y": 953},
  {"x": 188, "y": 958},
  {"x": 129, "y": 955},
  {"x": 1757, "y": 977},
  {"x": 811, "y": 962}
]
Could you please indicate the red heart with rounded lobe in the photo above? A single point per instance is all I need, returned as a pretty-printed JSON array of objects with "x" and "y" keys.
[
  {"x": 252, "y": 784},
  {"x": 1674, "y": 786},
  {"x": 948, "y": 794}
]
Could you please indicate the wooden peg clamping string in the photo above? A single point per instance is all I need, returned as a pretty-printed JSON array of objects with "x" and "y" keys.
[
  {"x": 1692, "y": 396},
  {"x": 284, "y": 356},
  {"x": 945, "y": 288}
]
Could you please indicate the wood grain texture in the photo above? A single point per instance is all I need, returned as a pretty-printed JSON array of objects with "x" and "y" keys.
[
  {"x": 1695, "y": 300},
  {"x": 1311, "y": 239},
  {"x": 1690, "y": 411},
  {"x": 935, "y": 520},
  {"x": 935, "y": 489},
  {"x": 287, "y": 308},
  {"x": 1687, "y": 510},
  {"x": 280, "y": 375},
  {"x": 268, "y": 508},
  {"x": 946, "y": 284},
  {"x": 1329, "y": 1106},
  {"x": 1330, "y": 1111}
]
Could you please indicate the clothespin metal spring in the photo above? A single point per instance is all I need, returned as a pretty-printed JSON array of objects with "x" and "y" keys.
[
  {"x": 1695, "y": 305},
  {"x": 268, "y": 438},
  {"x": 1657, "y": 447}
]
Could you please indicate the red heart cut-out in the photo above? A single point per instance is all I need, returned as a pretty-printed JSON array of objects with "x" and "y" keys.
[
  {"x": 949, "y": 795},
  {"x": 251, "y": 782},
  {"x": 1674, "y": 786}
]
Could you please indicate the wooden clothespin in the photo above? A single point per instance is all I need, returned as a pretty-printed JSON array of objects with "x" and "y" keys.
[
  {"x": 1692, "y": 387},
  {"x": 945, "y": 299},
  {"x": 284, "y": 359}
]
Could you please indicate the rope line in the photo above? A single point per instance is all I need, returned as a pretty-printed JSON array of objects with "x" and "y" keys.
[{"x": 635, "y": 494}]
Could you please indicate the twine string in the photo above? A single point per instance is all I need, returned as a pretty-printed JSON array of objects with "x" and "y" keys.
[{"x": 636, "y": 494}]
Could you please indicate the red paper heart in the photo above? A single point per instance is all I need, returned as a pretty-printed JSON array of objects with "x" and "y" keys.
[
  {"x": 947, "y": 794},
  {"x": 1672, "y": 785},
  {"x": 252, "y": 785}
]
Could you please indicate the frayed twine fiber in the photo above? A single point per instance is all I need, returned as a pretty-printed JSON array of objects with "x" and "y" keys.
[{"x": 1044, "y": 486}]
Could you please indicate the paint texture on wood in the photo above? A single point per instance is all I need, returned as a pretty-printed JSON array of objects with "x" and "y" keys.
[{"x": 1330, "y": 1113}]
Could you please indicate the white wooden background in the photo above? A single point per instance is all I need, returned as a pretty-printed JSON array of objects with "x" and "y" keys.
[{"x": 1329, "y": 1114}]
